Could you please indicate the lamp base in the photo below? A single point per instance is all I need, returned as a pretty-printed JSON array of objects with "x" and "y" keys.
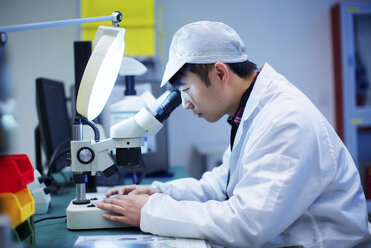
[{"x": 88, "y": 216}]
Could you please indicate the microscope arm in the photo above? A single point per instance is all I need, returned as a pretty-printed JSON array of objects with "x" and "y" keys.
[
  {"x": 91, "y": 157},
  {"x": 94, "y": 157}
]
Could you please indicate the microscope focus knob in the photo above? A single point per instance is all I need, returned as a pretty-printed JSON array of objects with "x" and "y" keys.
[{"x": 85, "y": 155}]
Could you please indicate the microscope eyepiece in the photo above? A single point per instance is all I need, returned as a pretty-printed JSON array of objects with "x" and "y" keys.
[{"x": 172, "y": 101}]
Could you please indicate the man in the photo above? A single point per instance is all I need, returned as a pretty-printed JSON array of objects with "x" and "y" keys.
[{"x": 286, "y": 178}]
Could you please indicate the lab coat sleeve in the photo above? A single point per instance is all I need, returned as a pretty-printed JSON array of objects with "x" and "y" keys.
[
  {"x": 211, "y": 186},
  {"x": 281, "y": 179}
]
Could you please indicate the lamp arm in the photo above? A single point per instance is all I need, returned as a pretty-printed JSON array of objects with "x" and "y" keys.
[{"x": 116, "y": 17}]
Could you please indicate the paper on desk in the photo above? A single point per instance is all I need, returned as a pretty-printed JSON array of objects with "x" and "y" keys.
[{"x": 138, "y": 241}]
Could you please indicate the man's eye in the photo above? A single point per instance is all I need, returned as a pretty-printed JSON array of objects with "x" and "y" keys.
[{"x": 186, "y": 89}]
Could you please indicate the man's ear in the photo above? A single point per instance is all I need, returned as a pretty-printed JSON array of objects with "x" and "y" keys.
[{"x": 222, "y": 71}]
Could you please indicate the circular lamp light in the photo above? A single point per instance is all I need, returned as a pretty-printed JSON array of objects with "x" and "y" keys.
[{"x": 101, "y": 71}]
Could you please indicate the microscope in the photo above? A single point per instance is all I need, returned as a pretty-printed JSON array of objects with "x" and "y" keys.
[
  {"x": 91, "y": 157},
  {"x": 126, "y": 137}
]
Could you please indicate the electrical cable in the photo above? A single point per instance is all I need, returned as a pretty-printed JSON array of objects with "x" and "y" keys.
[
  {"x": 49, "y": 218},
  {"x": 52, "y": 163},
  {"x": 56, "y": 154},
  {"x": 55, "y": 187},
  {"x": 93, "y": 126},
  {"x": 64, "y": 176}
]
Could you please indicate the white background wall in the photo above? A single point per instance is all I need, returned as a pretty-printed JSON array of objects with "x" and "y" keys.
[
  {"x": 294, "y": 36},
  {"x": 37, "y": 53}
]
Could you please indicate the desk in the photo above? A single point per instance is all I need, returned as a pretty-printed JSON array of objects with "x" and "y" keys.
[{"x": 54, "y": 233}]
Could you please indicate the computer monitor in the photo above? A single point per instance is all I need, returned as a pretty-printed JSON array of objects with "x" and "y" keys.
[{"x": 54, "y": 130}]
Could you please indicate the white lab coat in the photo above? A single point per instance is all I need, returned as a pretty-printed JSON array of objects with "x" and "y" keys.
[{"x": 292, "y": 182}]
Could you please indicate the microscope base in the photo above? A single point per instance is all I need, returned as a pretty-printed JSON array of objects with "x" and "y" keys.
[{"x": 88, "y": 216}]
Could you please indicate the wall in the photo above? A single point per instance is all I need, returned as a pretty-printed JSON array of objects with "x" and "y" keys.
[
  {"x": 37, "y": 53},
  {"x": 294, "y": 36}
]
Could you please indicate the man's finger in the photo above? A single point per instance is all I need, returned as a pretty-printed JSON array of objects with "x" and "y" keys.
[
  {"x": 121, "y": 191},
  {"x": 109, "y": 200},
  {"x": 124, "y": 190},
  {"x": 112, "y": 192},
  {"x": 130, "y": 188},
  {"x": 117, "y": 218},
  {"x": 116, "y": 201},
  {"x": 134, "y": 192},
  {"x": 110, "y": 207},
  {"x": 109, "y": 193}
]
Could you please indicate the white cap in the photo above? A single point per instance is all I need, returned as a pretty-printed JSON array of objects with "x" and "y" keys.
[{"x": 203, "y": 42}]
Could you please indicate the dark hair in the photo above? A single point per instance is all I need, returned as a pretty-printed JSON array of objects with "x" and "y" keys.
[{"x": 242, "y": 69}]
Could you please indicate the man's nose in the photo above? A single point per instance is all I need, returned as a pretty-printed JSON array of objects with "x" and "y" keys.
[{"x": 186, "y": 103}]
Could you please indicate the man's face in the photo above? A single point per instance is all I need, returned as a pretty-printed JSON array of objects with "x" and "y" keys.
[{"x": 205, "y": 102}]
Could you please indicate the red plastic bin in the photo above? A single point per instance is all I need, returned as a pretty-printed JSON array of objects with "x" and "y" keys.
[{"x": 16, "y": 171}]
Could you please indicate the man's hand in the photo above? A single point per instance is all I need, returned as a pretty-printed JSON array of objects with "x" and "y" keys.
[
  {"x": 128, "y": 206},
  {"x": 132, "y": 190}
]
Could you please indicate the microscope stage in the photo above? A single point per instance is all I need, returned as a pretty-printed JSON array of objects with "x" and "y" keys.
[{"x": 88, "y": 216}]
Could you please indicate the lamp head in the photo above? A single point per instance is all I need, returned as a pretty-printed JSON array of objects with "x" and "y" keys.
[
  {"x": 101, "y": 71},
  {"x": 132, "y": 67}
]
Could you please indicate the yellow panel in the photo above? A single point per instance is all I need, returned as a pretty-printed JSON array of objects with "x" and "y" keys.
[
  {"x": 356, "y": 121},
  {"x": 138, "y": 20},
  {"x": 352, "y": 9},
  {"x": 134, "y": 36}
]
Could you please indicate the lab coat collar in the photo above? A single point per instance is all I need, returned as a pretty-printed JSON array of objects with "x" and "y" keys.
[{"x": 265, "y": 77}]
